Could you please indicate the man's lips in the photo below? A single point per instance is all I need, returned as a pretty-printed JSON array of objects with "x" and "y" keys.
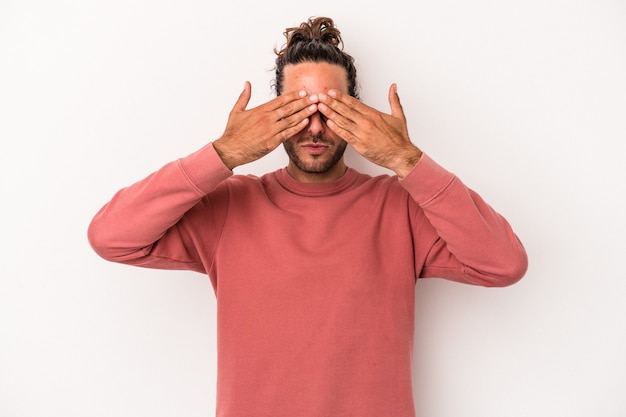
[{"x": 315, "y": 148}]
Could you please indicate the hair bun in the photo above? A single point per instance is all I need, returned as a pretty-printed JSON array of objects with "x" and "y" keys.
[{"x": 320, "y": 29}]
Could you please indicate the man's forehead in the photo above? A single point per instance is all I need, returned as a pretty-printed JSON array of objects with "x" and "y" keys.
[{"x": 315, "y": 77}]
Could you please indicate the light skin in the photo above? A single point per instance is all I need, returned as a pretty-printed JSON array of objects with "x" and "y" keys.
[{"x": 312, "y": 119}]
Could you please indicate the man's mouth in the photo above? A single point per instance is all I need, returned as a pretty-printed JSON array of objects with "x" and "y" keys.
[{"x": 315, "y": 148}]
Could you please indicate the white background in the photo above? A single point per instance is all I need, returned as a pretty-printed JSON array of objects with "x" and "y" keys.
[{"x": 525, "y": 101}]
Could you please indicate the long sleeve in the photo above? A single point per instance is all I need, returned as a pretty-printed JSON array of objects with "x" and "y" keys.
[
  {"x": 471, "y": 236},
  {"x": 141, "y": 225}
]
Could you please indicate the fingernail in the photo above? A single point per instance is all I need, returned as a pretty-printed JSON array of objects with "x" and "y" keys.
[
  {"x": 332, "y": 93},
  {"x": 313, "y": 97},
  {"x": 302, "y": 93}
]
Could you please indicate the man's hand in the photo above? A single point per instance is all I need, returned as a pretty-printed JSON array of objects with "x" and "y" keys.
[
  {"x": 381, "y": 138},
  {"x": 252, "y": 134}
]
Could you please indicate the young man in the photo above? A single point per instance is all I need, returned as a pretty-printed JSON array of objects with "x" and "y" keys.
[{"x": 313, "y": 265}]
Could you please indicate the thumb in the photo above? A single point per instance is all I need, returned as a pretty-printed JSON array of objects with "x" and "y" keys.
[
  {"x": 394, "y": 102},
  {"x": 244, "y": 97}
]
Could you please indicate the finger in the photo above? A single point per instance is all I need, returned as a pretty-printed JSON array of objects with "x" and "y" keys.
[
  {"x": 244, "y": 98},
  {"x": 285, "y": 99},
  {"x": 297, "y": 105},
  {"x": 345, "y": 105},
  {"x": 286, "y": 105},
  {"x": 344, "y": 133},
  {"x": 292, "y": 129},
  {"x": 294, "y": 123},
  {"x": 394, "y": 102},
  {"x": 298, "y": 116},
  {"x": 342, "y": 126},
  {"x": 338, "y": 123}
]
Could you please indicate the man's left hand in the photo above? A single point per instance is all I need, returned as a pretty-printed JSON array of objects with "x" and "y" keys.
[{"x": 379, "y": 137}]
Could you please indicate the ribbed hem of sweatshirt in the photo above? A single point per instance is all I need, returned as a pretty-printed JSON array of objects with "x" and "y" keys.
[
  {"x": 204, "y": 169},
  {"x": 427, "y": 180}
]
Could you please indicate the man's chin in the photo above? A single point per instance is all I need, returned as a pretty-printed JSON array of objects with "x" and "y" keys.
[
  {"x": 314, "y": 167},
  {"x": 314, "y": 164}
]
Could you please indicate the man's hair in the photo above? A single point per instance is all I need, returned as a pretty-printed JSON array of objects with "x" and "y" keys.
[{"x": 316, "y": 40}]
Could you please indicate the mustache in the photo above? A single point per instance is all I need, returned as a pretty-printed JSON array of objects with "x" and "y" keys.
[{"x": 317, "y": 140}]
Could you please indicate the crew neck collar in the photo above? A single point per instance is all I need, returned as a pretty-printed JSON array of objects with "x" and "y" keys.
[{"x": 316, "y": 189}]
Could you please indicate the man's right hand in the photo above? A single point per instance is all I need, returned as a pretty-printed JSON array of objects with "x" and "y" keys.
[{"x": 252, "y": 134}]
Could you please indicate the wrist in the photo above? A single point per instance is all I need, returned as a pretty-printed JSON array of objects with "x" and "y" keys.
[
  {"x": 224, "y": 155},
  {"x": 406, "y": 161}
]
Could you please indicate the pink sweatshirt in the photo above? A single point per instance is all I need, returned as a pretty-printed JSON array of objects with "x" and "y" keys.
[{"x": 314, "y": 282}]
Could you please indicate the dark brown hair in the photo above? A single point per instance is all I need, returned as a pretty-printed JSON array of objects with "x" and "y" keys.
[{"x": 316, "y": 40}]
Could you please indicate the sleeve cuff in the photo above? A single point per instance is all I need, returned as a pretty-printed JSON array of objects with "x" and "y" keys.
[
  {"x": 426, "y": 180},
  {"x": 204, "y": 169}
]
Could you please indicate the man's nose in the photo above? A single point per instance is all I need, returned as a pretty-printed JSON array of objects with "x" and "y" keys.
[{"x": 317, "y": 123}]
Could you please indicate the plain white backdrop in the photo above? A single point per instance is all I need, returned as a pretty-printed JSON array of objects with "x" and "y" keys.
[{"x": 525, "y": 101}]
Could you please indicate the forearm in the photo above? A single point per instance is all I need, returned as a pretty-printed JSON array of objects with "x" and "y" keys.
[
  {"x": 127, "y": 226},
  {"x": 472, "y": 234}
]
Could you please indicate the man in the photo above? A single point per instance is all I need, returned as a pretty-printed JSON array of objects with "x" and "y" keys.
[{"x": 313, "y": 265}]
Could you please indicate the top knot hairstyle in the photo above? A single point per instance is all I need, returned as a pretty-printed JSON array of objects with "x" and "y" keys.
[{"x": 316, "y": 40}]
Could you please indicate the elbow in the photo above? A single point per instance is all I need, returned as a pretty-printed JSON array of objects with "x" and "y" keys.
[
  {"x": 105, "y": 245},
  {"x": 521, "y": 268},
  {"x": 512, "y": 277},
  {"x": 510, "y": 272},
  {"x": 518, "y": 265},
  {"x": 513, "y": 265},
  {"x": 112, "y": 247},
  {"x": 98, "y": 242}
]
